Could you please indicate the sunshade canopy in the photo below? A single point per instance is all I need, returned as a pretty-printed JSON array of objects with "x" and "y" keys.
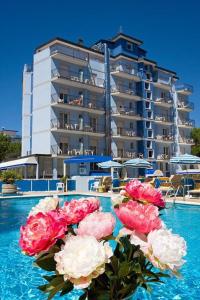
[
  {"x": 87, "y": 159},
  {"x": 185, "y": 159},
  {"x": 109, "y": 164},
  {"x": 137, "y": 163},
  {"x": 18, "y": 163},
  {"x": 189, "y": 171}
]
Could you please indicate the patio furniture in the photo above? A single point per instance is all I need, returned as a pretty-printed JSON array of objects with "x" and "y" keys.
[{"x": 60, "y": 187}]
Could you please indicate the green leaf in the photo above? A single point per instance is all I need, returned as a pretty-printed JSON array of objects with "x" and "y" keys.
[
  {"x": 68, "y": 287},
  {"x": 46, "y": 262},
  {"x": 123, "y": 269},
  {"x": 55, "y": 290}
]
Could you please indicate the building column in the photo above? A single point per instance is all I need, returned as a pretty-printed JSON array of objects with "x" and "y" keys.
[{"x": 54, "y": 167}]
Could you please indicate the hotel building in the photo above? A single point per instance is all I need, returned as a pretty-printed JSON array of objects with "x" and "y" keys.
[{"x": 107, "y": 99}]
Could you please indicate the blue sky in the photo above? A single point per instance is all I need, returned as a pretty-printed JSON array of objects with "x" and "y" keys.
[{"x": 170, "y": 31}]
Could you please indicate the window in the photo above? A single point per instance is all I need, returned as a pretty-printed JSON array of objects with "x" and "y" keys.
[
  {"x": 147, "y": 86},
  {"x": 163, "y": 95},
  {"x": 63, "y": 97},
  {"x": 166, "y": 150},
  {"x": 93, "y": 123},
  {"x": 131, "y": 125},
  {"x": 149, "y": 115},
  {"x": 165, "y": 131},
  {"x": 148, "y": 124},
  {"x": 148, "y": 105},
  {"x": 149, "y": 144},
  {"x": 148, "y": 76},
  {"x": 130, "y": 105},
  {"x": 148, "y": 95},
  {"x": 64, "y": 147},
  {"x": 149, "y": 133},
  {"x": 150, "y": 154},
  {"x": 63, "y": 119},
  {"x": 131, "y": 146},
  {"x": 129, "y": 46},
  {"x": 130, "y": 85}
]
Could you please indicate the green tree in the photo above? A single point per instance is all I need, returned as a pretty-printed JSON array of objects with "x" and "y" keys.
[
  {"x": 195, "y": 134},
  {"x": 4, "y": 146},
  {"x": 14, "y": 150}
]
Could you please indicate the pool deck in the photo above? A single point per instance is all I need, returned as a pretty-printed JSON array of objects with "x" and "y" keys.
[{"x": 180, "y": 200}]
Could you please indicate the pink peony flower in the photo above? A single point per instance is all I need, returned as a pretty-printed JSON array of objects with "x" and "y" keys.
[
  {"x": 41, "y": 232},
  {"x": 97, "y": 224},
  {"x": 144, "y": 192},
  {"x": 139, "y": 217},
  {"x": 77, "y": 210}
]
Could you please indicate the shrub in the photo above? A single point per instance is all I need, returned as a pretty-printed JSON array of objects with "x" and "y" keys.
[{"x": 9, "y": 177}]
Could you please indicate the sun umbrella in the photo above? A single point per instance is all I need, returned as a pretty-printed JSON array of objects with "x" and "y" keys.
[
  {"x": 158, "y": 173},
  {"x": 109, "y": 164},
  {"x": 185, "y": 159},
  {"x": 138, "y": 163}
]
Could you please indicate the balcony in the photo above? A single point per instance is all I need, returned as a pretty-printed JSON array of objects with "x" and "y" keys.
[
  {"x": 75, "y": 128},
  {"x": 184, "y": 88},
  {"x": 186, "y": 140},
  {"x": 124, "y": 92},
  {"x": 122, "y": 71},
  {"x": 165, "y": 102},
  {"x": 70, "y": 55},
  {"x": 163, "y": 82},
  {"x": 185, "y": 106},
  {"x": 186, "y": 123},
  {"x": 77, "y": 80},
  {"x": 121, "y": 154},
  {"x": 127, "y": 134},
  {"x": 57, "y": 151},
  {"x": 163, "y": 157},
  {"x": 77, "y": 103},
  {"x": 125, "y": 113},
  {"x": 164, "y": 138},
  {"x": 163, "y": 119}
]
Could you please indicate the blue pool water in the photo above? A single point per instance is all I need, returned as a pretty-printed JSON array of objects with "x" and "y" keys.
[{"x": 19, "y": 279}]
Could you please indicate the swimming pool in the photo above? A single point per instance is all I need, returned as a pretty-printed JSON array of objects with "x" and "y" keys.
[{"x": 19, "y": 279}]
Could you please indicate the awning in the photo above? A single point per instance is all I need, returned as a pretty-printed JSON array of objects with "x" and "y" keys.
[
  {"x": 185, "y": 159},
  {"x": 87, "y": 159},
  {"x": 18, "y": 163}
]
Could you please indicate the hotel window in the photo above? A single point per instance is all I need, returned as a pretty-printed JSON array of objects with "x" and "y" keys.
[
  {"x": 147, "y": 86},
  {"x": 130, "y": 105},
  {"x": 148, "y": 76},
  {"x": 148, "y": 95},
  {"x": 131, "y": 125},
  {"x": 166, "y": 150},
  {"x": 149, "y": 144},
  {"x": 148, "y": 105},
  {"x": 163, "y": 95},
  {"x": 148, "y": 124},
  {"x": 64, "y": 147},
  {"x": 149, "y": 114},
  {"x": 149, "y": 134},
  {"x": 165, "y": 131},
  {"x": 63, "y": 119},
  {"x": 129, "y": 46},
  {"x": 132, "y": 146},
  {"x": 150, "y": 154},
  {"x": 63, "y": 97}
]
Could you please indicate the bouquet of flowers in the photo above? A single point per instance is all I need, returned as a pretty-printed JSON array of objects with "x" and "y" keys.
[{"x": 76, "y": 243}]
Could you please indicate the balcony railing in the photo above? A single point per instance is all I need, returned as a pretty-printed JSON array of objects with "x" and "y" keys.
[
  {"x": 123, "y": 89},
  {"x": 184, "y": 87},
  {"x": 186, "y": 105},
  {"x": 163, "y": 100},
  {"x": 188, "y": 123},
  {"x": 124, "y": 111},
  {"x": 124, "y": 132},
  {"x": 127, "y": 154},
  {"x": 186, "y": 140},
  {"x": 163, "y": 118},
  {"x": 124, "y": 69},
  {"x": 74, "y": 126},
  {"x": 168, "y": 137},
  {"x": 74, "y": 53},
  {"x": 163, "y": 157},
  {"x": 80, "y": 101},
  {"x": 78, "y": 77},
  {"x": 55, "y": 149}
]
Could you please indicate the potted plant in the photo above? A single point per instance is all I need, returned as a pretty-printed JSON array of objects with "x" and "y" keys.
[{"x": 8, "y": 178}]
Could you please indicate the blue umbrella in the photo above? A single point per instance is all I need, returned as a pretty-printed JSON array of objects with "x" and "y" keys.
[
  {"x": 138, "y": 163},
  {"x": 185, "y": 159},
  {"x": 109, "y": 164}
]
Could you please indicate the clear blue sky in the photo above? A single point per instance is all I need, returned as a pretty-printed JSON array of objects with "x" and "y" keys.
[{"x": 170, "y": 31}]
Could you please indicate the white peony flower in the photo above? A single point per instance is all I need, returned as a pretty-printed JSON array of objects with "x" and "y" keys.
[
  {"x": 166, "y": 249},
  {"x": 45, "y": 205},
  {"x": 81, "y": 259},
  {"x": 163, "y": 248}
]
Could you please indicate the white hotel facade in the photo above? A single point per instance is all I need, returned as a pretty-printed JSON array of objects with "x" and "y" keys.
[{"x": 107, "y": 99}]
